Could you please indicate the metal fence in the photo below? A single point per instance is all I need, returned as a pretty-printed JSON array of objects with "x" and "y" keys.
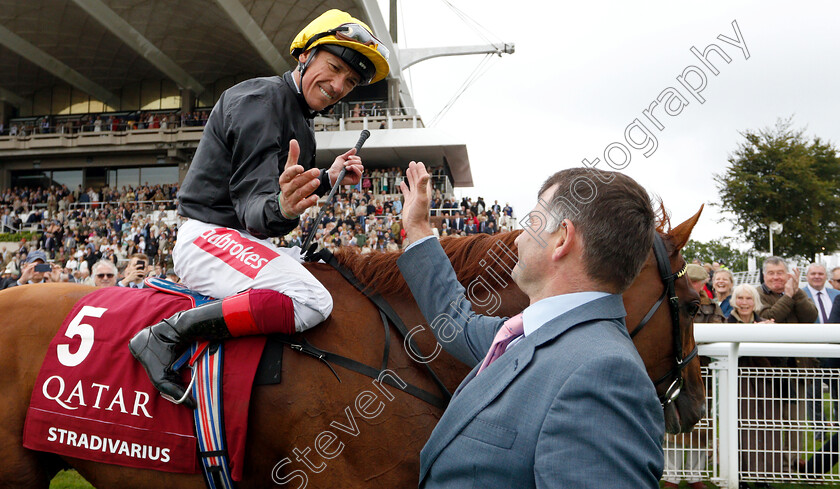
[
  {"x": 746, "y": 277},
  {"x": 764, "y": 424}
]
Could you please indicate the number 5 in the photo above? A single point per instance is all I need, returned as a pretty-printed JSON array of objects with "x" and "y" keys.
[{"x": 84, "y": 331}]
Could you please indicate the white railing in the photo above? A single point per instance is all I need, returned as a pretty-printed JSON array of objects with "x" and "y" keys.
[
  {"x": 746, "y": 277},
  {"x": 773, "y": 419}
]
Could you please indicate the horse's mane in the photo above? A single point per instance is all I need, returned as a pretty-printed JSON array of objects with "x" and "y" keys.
[
  {"x": 469, "y": 256},
  {"x": 662, "y": 217}
]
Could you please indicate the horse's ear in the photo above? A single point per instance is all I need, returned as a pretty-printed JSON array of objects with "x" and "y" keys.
[{"x": 680, "y": 234}]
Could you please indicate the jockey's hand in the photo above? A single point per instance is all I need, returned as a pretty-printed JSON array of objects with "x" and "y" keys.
[
  {"x": 354, "y": 167},
  {"x": 415, "y": 211},
  {"x": 297, "y": 186}
]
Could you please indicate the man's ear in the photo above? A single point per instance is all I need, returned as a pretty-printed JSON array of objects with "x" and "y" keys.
[
  {"x": 302, "y": 57},
  {"x": 565, "y": 240}
]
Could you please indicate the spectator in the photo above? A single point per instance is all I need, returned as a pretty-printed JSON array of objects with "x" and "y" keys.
[
  {"x": 823, "y": 298},
  {"x": 7, "y": 275},
  {"x": 747, "y": 306},
  {"x": 781, "y": 298},
  {"x": 456, "y": 222},
  {"x": 708, "y": 312},
  {"x": 759, "y": 397},
  {"x": 835, "y": 278},
  {"x": 29, "y": 274},
  {"x": 723, "y": 282},
  {"x": 816, "y": 290},
  {"x": 135, "y": 271},
  {"x": 104, "y": 274},
  {"x": 783, "y": 301}
]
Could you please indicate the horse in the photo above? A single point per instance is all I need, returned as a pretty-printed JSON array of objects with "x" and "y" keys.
[{"x": 380, "y": 451}]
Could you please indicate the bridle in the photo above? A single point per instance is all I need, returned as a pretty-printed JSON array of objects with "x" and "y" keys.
[{"x": 668, "y": 279}]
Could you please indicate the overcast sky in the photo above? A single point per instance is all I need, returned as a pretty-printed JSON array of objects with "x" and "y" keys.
[{"x": 584, "y": 71}]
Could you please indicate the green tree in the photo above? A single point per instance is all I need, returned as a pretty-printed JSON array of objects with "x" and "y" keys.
[
  {"x": 721, "y": 252},
  {"x": 778, "y": 175}
]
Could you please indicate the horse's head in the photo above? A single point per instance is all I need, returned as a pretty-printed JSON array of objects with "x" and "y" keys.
[{"x": 666, "y": 341}]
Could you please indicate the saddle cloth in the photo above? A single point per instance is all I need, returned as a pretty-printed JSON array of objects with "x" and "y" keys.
[{"x": 92, "y": 400}]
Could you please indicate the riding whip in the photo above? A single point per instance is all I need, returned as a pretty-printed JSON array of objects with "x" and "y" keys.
[{"x": 362, "y": 138}]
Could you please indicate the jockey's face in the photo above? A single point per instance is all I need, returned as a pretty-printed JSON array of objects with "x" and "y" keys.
[{"x": 327, "y": 79}]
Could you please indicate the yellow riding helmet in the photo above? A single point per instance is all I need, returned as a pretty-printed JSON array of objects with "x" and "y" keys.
[{"x": 348, "y": 38}]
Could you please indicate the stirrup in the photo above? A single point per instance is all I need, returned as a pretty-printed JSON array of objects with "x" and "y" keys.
[
  {"x": 188, "y": 360},
  {"x": 186, "y": 391}
]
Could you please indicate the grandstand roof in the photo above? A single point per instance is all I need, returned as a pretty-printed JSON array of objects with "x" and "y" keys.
[
  {"x": 100, "y": 47},
  {"x": 103, "y": 45}
]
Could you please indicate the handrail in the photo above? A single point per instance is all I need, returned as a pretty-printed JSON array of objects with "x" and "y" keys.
[
  {"x": 118, "y": 203},
  {"x": 767, "y": 333},
  {"x": 726, "y": 343}
]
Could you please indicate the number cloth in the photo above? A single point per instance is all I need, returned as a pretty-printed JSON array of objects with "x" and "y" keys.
[{"x": 93, "y": 401}]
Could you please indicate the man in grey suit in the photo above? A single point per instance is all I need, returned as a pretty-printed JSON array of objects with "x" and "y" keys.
[
  {"x": 569, "y": 404},
  {"x": 822, "y": 296}
]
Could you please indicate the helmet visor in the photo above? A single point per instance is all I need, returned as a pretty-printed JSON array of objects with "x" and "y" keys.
[{"x": 357, "y": 33}]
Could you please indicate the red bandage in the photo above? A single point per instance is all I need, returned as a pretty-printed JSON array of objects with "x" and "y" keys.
[
  {"x": 259, "y": 311},
  {"x": 236, "y": 310}
]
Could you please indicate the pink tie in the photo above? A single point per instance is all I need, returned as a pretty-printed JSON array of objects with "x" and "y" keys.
[{"x": 512, "y": 329}]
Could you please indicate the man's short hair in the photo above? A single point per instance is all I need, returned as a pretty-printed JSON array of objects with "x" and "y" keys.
[
  {"x": 834, "y": 270},
  {"x": 615, "y": 221},
  {"x": 104, "y": 263},
  {"x": 140, "y": 256},
  {"x": 773, "y": 260},
  {"x": 821, "y": 265}
]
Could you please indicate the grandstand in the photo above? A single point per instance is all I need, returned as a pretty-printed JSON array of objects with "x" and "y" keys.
[
  {"x": 111, "y": 93},
  {"x": 109, "y": 98}
]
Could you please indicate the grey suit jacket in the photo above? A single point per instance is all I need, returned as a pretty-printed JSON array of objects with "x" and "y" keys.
[
  {"x": 832, "y": 294},
  {"x": 568, "y": 406}
]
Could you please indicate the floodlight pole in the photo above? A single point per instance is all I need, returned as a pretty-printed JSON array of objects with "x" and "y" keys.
[{"x": 771, "y": 242}]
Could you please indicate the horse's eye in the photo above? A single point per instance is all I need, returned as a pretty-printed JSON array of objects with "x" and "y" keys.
[{"x": 691, "y": 308}]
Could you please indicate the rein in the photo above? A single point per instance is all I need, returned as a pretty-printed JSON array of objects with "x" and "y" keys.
[
  {"x": 388, "y": 316},
  {"x": 663, "y": 263}
]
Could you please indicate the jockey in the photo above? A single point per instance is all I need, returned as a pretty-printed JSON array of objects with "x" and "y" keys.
[{"x": 252, "y": 176}]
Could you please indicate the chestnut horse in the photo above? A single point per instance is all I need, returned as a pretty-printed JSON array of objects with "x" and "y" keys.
[{"x": 381, "y": 450}]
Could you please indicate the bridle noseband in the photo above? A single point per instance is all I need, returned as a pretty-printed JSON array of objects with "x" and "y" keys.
[{"x": 668, "y": 279}]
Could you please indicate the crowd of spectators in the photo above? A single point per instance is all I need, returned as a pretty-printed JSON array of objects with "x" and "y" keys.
[
  {"x": 135, "y": 120},
  {"x": 117, "y": 122},
  {"x": 76, "y": 229},
  {"x": 772, "y": 401},
  {"x": 365, "y": 109}
]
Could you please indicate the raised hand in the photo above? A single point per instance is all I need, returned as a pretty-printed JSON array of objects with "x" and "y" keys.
[
  {"x": 297, "y": 186},
  {"x": 418, "y": 193}
]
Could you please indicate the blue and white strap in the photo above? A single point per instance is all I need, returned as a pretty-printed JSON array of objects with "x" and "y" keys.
[{"x": 209, "y": 421}]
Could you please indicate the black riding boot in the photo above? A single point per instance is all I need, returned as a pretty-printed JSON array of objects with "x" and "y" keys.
[{"x": 158, "y": 347}]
